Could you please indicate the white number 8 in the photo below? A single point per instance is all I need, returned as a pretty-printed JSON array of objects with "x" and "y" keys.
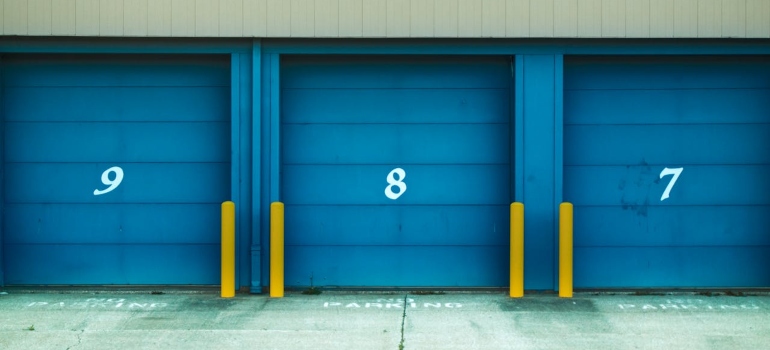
[
  {"x": 112, "y": 183},
  {"x": 397, "y": 183}
]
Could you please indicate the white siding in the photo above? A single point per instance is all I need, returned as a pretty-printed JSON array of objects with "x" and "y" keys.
[
  {"x": 389, "y": 18},
  {"x": 398, "y": 18},
  {"x": 87, "y": 17},
  {"x": 613, "y": 19},
  {"x": 686, "y": 18},
  {"x": 303, "y": 18},
  {"x": 447, "y": 21},
  {"x": 111, "y": 17},
  {"x": 135, "y": 17},
  {"x": 565, "y": 18},
  {"x": 637, "y": 18},
  {"x": 278, "y": 18},
  {"x": 254, "y": 18},
  {"x": 541, "y": 19},
  {"x": 159, "y": 18},
  {"x": 15, "y": 17},
  {"x": 421, "y": 19},
  {"x": 327, "y": 22},
  {"x": 182, "y": 18},
  {"x": 206, "y": 18},
  {"x": 709, "y": 18},
  {"x": 757, "y": 18},
  {"x": 734, "y": 18},
  {"x": 375, "y": 18},
  {"x": 661, "y": 18},
  {"x": 63, "y": 17},
  {"x": 351, "y": 18},
  {"x": 469, "y": 18},
  {"x": 493, "y": 21},
  {"x": 39, "y": 17},
  {"x": 231, "y": 18},
  {"x": 518, "y": 18},
  {"x": 589, "y": 13}
]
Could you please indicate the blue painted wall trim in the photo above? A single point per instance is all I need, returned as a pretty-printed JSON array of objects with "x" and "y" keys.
[
  {"x": 256, "y": 178},
  {"x": 123, "y": 45},
  {"x": 518, "y": 132},
  {"x": 538, "y": 116},
  {"x": 274, "y": 148},
  {"x": 245, "y": 182},
  {"x": 240, "y": 175},
  {"x": 269, "y": 111},
  {"x": 275, "y": 129},
  {"x": 558, "y": 161},
  {"x": 235, "y": 111},
  {"x": 390, "y": 46},
  {"x": 2, "y": 172},
  {"x": 518, "y": 46}
]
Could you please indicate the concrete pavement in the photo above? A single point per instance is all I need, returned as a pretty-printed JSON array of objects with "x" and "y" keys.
[{"x": 128, "y": 320}]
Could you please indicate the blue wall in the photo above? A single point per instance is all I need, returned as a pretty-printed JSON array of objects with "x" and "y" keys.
[{"x": 255, "y": 113}]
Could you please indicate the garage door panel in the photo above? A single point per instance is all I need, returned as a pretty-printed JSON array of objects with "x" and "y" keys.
[
  {"x": 348, "y": 122},
  {"x": 671, "y": 226},
  {"x": 397, "y": 225},
  {"x": 387, "y": 72},
  {"x": 113, "y": 264},
  {"x": 112, "y": 223},
  {"x": 625, "y": 267},
  {"x": 115, "y": 71},
  {"x": 663, "y": 144},
  {"x": 407, "y": 106},
  {"x": 396, "y": 143},
  {"x": 400, "y": 266},
  {"x": 365, "y": 184},
  {"x": 198, "y": 103},
  {"x": 114, "y": 168},
  {"x": 142, "y": 183},
  {"x": 698, "y": 185},
  {"x": 683, "y": 72},
  {"x": 118, "y": 142},
  {"x": 667, "y": 161},
  {"x": 685, "y": 106}
]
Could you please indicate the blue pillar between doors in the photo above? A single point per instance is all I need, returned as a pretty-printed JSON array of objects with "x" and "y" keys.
[{"x": 538, "y": 173}]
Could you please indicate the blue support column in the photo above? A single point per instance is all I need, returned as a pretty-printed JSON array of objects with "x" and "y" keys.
[
  {"x": 240, "y": 158},
  {"x": 245, "y": 158},
  {"x": 256, "y": 169},
  {"x": 235, "y": 140},
  {"x": 269, "y": 155},
  {"x": 275, "y": 128},
  {"x": 539, "y": 162},
  {"x": 2, "y": 171}
]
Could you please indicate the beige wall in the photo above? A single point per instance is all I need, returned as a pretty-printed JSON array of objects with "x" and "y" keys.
[{"x": 389, "y": 18}]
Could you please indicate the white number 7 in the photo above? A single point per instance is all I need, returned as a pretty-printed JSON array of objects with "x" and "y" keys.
[{"x": 666, "y": 171}]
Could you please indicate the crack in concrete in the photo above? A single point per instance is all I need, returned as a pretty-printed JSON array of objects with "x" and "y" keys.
[
  {"x": 403, "y": 320},
  {"x": 80, "y": 339}
]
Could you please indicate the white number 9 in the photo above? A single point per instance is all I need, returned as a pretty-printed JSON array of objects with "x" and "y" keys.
[{"x": 112, "y": 183}]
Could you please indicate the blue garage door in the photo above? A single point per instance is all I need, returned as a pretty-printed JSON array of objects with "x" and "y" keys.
[
  {"x": 114, "y": 168},
  {"x": 667, "y": 160},
  {"x": 396, "y": 171}
]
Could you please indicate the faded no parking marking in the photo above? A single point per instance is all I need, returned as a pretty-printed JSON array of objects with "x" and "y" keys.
[
  {"x": 98, "y": 303},
  {"x": 688, "y": 304},
  {"x": 395, "y": 304}
]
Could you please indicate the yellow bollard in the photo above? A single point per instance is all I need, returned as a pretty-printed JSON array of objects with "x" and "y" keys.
[
  {"x": 276, "y": 249},
  {"x": 228, "y": 249},
  {"x": 565, "y": 250},
  {"x": 517, "y": 250}
]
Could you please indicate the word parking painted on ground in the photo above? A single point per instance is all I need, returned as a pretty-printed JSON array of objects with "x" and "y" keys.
[
  {"x": 99, "y": 303},
  {"x": 687, "y": 304},
  {"x": 395, "y": 304}
]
